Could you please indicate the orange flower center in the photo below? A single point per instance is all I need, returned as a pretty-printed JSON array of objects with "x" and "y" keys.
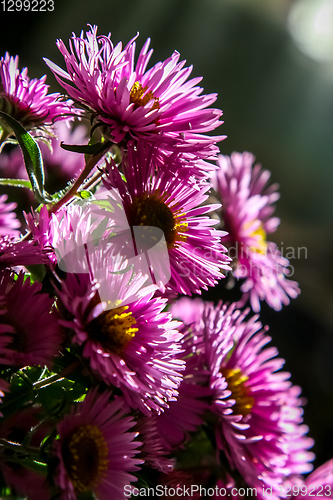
[{"x": 140, "y": 97}]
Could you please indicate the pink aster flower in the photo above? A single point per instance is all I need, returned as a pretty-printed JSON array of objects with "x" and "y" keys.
[
  {"x": 29, "y": 332},
  {"x": 260, "y": 416},
  {"x": 9, "y": 224},
  {"x": 27, "y": 100},
  {"x": 129, "y": 341},
  {"x": 155, "y": 104},
  {"x": 95, "y": 450},
  {"x": 20, "y": 253},
  {"x": 246, "y": 214},
  {"x": 194, "y": 256}
]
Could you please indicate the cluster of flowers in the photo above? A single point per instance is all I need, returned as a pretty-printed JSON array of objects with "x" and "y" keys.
[{"x": 108, "y": 377}]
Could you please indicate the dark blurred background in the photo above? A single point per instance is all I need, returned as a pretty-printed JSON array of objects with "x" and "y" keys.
[{"x": 271, "y": 62}]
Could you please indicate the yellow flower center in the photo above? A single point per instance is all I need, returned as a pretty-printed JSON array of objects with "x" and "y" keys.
[
  {"x": 260, "y": 245},
  {"x": 140, "y": 97},
  {"x": 236, "y": 384},
  {"x": 113, "y": 329},
  {"x": 154, "y": 210},
  {"x": 85, "y": 457}
]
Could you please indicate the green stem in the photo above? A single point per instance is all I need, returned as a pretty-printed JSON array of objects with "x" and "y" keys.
[
  {"x": 48, "y": 381},
  {"x": 57, "y": 376},
  {"x": 18, "y": 448},
  {"x": 93, "y": 180},
  {"x": 73, "y": 190}
]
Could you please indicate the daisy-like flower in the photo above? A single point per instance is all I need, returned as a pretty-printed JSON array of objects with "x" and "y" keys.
[
  {"x": 129, "y": 342},
  {"x": 194, "y": 256},
  {"x": 29, "y": 331},
  {"x": 95, "y": 450},
  {"x": 9, "y": 224},
  {"x": 133, "y": 102},
  {"x": 260, "y": 416},
  {"x": 246, "y": 214},
  {"x": 27, "y": 100},
  {"x": 20, "y": 253}
]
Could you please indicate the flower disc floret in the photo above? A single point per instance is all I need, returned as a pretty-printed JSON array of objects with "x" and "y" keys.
[
  {"x": 239, "y": 392},
  {"x": 113, "y": 329},
  {"x": 85, "y": 454},
  {"x": 158, "y": 210}
]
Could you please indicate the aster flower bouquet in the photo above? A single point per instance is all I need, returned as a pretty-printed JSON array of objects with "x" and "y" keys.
[{"x": 114, "y": 382}]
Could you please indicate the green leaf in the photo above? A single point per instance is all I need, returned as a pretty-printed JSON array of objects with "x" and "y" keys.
[
  {"x": 32, "y": 157},
  {"x": 90, "y": 149},
  {"x": 37, "y": 272},
  {"x": 22, "y": 183}
]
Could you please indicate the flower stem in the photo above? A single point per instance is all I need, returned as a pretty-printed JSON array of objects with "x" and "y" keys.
[
  {"x": 48, "y": 381},
  {"x": 73, "y": 190},
  {"x": 93, "y": 180},
  {"x": 18, "y": 448},
  {"x": 57, "y": 376}
]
